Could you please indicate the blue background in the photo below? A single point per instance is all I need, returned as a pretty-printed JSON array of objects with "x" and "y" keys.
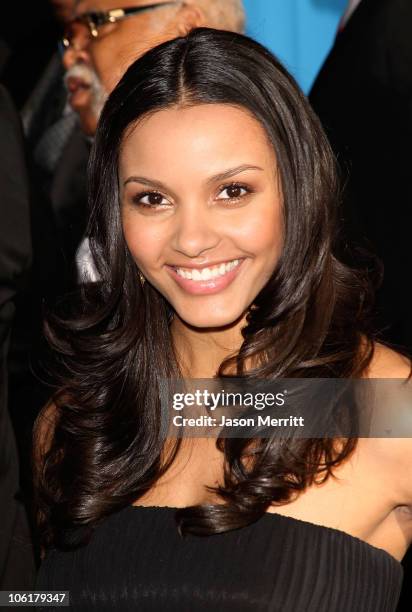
[{"x": 299, "y": 32}]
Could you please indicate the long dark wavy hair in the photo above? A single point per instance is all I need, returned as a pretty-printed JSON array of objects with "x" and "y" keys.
[{"x": 105, "y": 445}]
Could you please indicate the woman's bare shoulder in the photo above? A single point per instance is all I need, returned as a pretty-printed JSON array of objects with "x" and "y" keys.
[
  {"x": 388, "y": 363},
  {"x": 393, "y": 454}
]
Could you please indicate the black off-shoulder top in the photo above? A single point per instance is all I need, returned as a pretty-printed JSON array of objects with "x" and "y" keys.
[{"x": 136, "y": 560}]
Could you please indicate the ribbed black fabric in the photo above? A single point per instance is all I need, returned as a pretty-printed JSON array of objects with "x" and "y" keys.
[{"x": 137, "y": 561}]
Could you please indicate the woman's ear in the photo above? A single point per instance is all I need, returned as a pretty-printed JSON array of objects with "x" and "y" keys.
[{"x": 189, "y": 17}]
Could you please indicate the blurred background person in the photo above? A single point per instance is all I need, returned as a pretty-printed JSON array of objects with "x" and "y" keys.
[
  {"x": 104, "y": 39},
  {"x": 16, "y": 554},
  {"x": 58, "y": 150},
  {"x": 54, "y": 148},
  {"x": 363, "y": 96}
]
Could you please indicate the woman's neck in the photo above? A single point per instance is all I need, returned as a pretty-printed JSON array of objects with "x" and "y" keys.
[{"x": 200, "y": 351}]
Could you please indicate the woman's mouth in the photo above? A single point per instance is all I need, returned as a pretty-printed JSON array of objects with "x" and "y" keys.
[{"x": 206, "y": 280}]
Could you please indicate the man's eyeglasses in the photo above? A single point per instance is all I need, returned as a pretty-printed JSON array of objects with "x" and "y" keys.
[{"x": 93, "y": 20}]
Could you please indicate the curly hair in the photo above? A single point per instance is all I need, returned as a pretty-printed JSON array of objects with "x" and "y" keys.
[{"x": 310, "y": 320}]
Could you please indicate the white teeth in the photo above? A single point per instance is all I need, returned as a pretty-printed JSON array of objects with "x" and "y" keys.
[{"x": 207, "y": 273}]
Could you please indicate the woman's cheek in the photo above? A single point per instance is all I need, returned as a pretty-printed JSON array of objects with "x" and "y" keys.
[
  {"x": 134, "y": 238},
  {"x": 143, "y": 243}
]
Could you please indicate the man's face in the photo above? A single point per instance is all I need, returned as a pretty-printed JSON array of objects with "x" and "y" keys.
[{"x": 95, "y": 65}]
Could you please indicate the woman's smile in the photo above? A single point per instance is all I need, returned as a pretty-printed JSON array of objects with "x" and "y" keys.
[{"x": 206, "y": 279}]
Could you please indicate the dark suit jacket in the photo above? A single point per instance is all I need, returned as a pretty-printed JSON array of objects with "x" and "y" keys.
[
  {"x": 363, "y": 96},
  {"x": 63, "y": 190},
  {"x": 58, "y": 218},
  {"x": 16, "y": 561}
]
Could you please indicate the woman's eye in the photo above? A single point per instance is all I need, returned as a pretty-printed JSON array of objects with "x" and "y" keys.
[
  {"x": 233, "y": 192},
  {"x": 150, "y": 199}
]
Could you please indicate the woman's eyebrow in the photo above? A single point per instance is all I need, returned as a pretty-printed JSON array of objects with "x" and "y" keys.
[
  {"x": 222, "y": 176},
  {"x": 145, "y": 181},
  {"x": 232, "y": 172}
]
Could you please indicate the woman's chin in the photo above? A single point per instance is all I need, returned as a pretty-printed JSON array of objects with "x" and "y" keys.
[{"x": 207, "y": 320}]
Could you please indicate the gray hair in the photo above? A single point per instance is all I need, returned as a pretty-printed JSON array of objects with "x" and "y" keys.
[{"x": 223, "y": 14}]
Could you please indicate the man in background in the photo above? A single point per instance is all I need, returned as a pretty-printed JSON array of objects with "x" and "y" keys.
[
  {"x": 16, "y": 554},
  {"x": 57, "y": 151},
  {"x": 56, "y": 156},
  {"x": 104, "y": 39},
  {"x": 363, "y": 96}
]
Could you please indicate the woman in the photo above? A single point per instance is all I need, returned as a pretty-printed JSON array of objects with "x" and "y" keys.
[{"x": 213, "y": 192}]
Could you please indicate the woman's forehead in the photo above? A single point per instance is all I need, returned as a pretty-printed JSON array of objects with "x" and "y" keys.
[{"x": 198, "y": 132}]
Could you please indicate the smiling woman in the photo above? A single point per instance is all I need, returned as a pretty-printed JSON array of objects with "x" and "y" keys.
[
  {"x": 214, "y": 196},
  {"x": 206, "y": 229}
]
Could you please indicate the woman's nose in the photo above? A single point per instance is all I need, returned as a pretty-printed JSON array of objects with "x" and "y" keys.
[{"x": 196, "y": 231}]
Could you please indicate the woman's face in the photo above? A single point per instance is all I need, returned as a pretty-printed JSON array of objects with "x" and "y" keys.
[{"x": 202, "y": 209}]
